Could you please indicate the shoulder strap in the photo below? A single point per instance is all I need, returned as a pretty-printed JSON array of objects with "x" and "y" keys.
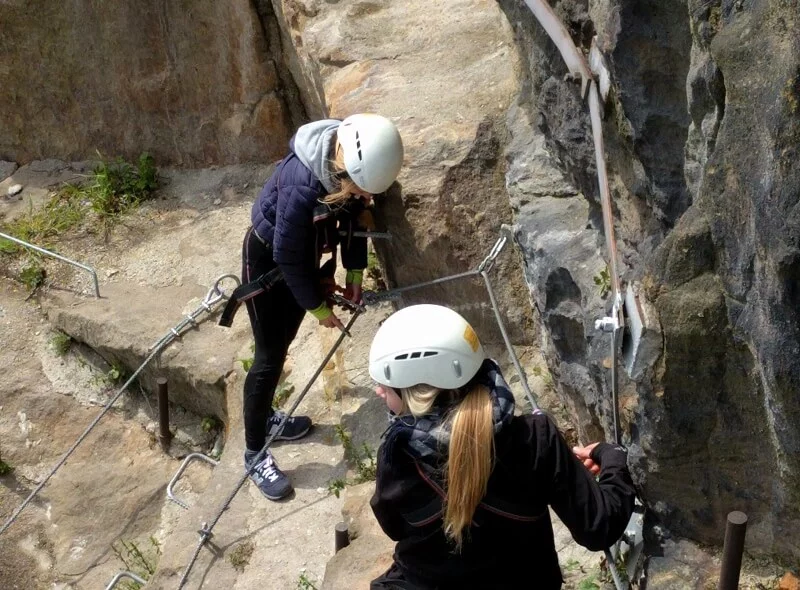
[{"x": 490, "y": 502}]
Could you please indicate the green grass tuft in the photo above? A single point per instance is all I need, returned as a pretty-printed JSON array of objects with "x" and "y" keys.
[{"x": 60, "y": 342}]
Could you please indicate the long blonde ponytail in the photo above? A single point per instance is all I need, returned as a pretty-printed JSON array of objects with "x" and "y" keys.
[
  {"x": 470, "y": 461},
  {"x": 471, "y": 453}
]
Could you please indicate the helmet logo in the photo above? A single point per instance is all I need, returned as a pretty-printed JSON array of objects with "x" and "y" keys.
[{"x": 471, "y": 337}]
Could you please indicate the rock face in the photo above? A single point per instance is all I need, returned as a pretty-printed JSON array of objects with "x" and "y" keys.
[
  {"x": 416, "y": 63},
  {"x": 190, "y": 82},
  {"x": 706, "y": 206},
  {"x": 702, "y": 130}
]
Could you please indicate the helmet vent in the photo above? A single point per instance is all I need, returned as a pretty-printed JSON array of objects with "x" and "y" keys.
[
  {"x": 358, "y": 146},
  {"x": 415, "y": 355}
]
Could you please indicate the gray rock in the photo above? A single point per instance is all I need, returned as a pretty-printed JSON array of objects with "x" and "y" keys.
[
  {"x": 707, "y": 223},
  {"x": 7, "y": 169},
  {"x": 123, "y": 325},
  {"x": 47, "y": 166}
]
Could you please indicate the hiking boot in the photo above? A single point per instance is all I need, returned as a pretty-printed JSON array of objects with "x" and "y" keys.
[
  {"x": 272, "y": 482},
  {"x": 294, "y": 428}
]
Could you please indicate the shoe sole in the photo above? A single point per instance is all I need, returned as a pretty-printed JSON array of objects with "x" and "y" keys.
[
  {"x": 297, "y": 436},
  {"x": 276, "y": 498}
]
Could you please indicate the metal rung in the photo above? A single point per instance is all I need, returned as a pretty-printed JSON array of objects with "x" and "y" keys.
[
  {"x": 41, "y": 250},
  {"x": 189, "y": 458},
  {"x": 128, "y": 575}
]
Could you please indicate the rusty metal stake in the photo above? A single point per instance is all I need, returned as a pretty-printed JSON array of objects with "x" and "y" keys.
[
  {"x": 164, "y": 435},
  {"x": 342, "y": 536},
  {"x": 732, "y": 551}
]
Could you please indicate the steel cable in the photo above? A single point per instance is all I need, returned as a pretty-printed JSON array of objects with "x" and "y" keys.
[{"x": 212, "y": 298}]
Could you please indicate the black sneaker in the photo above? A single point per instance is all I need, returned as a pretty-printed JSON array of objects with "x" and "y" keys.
[
  {"x": 294, "y": 428},
  {"x": 272, "y": 482}
]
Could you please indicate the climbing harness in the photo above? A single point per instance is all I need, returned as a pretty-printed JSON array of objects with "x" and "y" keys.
[
  {"x": 207, "y": 528},
  {"x": 214, "y": 296},
  {"x": 243, "y": 293}
]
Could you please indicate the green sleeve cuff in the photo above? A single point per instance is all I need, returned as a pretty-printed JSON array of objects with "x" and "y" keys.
[
  {"x": 322, "y": 312},
  {"x": 354, "y": 277}
]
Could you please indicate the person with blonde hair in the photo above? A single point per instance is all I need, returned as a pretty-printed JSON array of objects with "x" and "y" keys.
[
  {"x": 321, "y": 189},
  {"x": 463, "y": 485}
]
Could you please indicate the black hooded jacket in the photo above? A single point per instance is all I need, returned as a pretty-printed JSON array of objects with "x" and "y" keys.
[{"x": 510, "y": 543}]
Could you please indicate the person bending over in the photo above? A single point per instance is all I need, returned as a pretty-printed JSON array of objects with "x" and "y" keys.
[{"x": 319, "y": 190}]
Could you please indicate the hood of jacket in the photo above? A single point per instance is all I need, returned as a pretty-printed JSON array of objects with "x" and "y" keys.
[
  {"x": 428, "y": 437},
  {"x": 312, "y": 145}
]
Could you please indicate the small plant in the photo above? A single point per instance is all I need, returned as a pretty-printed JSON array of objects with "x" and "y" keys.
[
  {"x": 374, "y": 271},
  {"x": 303, "y": 583},
  {"x": 240, "y": 556},
  {"x": 116, "y": 374},
  {"x": 336, "y": 486},
  {"x": 63, "y": 211},
  {"x": 373, "y": 264},
  {"x": 8, "y": 247},
  {"x": 208, "y": 423},
  {"x": 366, "y": 466},
  {"x": 603, "y": 282},
  {"x": 32, "y": 276},
  {"x": 248, "y": 362},
  {"x": 136, "y": 561},
  {"x": 282, "y": 393},
  {"x": 344, "y": 438},
  {"x": 60, "y": 343},
  {"x": 5, "y": 468},
  {"x": 363, "y": 457},
  {"x": 119, "y": 186},
  {"x": 113, "y": 188},
  {"x": 572, "y": 565},
  {"x": 589, "y": 583}
]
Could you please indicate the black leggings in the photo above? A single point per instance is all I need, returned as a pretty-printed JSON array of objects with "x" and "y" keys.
[{"x": 275, "y": 317}]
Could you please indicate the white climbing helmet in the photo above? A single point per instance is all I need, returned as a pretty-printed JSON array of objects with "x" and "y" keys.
[
  {"x": 373, "y": 151},
  {"x": 425, "y": 344}
]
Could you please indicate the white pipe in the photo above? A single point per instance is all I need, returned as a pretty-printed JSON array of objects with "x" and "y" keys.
[{"x": 574, "y": 59}]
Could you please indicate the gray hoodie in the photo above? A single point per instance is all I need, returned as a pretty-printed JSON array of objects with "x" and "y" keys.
[{"x": 312, "y": 145}]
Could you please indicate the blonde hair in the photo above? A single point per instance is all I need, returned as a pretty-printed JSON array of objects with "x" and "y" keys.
[
  {"x": 346, "y": 184},
  {"x": 471, "y": 454}
]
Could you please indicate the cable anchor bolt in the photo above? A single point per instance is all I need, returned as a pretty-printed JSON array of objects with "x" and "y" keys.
[{"x": 607, "y": 324}]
